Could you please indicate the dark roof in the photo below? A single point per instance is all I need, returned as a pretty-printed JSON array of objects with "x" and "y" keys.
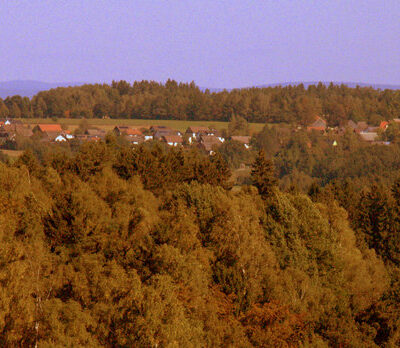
[
  {"x": 168, "y": 132},
  {"x": 16, "y": 129},
  {"x": 127, "y": 130}
]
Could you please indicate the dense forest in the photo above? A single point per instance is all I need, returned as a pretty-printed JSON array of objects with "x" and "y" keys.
[
  {"x": 106, "y": 244},
  {"x": 182, "y": 101}
]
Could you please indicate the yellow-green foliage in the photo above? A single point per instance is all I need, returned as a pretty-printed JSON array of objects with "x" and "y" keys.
[{"x": 90, "y": 258}]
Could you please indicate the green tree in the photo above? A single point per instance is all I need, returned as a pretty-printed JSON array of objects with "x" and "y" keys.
[{"x": 263, "y": 175}]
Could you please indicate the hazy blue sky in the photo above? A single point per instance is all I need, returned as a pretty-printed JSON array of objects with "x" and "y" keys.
[{"x": 215, "y": 43}]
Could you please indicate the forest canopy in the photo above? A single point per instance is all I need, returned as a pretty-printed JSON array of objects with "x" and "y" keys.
[{"x": 118, "y": 246}]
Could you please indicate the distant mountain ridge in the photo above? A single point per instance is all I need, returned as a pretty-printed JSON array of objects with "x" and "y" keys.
[
  {"x": 28, "y": 88},
  {"x": 310, "y": 83},
  {"x": 327, "y": 83}
]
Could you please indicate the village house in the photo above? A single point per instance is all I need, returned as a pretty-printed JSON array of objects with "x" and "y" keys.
[
  {"x": 136, "y": 140},
  {"x": 172, "y": 140},
  {"x": 60, "y": 138},
  {"x": 125, "y": 130},
  {"x": 52, "y": 132},
  {"x": 195, "y": 132},
  {"x": 318, "y": 125},
  {"x": 81, "y": 138},
  {"x": 133, "y": 132},
  {"x": 133, "y": 135},
  {"x": 10, "y": 131},
  {"x": 159, "y": 134},
  {"x": 46, "y": 128},
  {"x": 245, "y": 140},
  {"x": 160, "y": 131},
  {"x": 383, "y": 125},
  {"x": 95, "y": 132},
  {"x": 362, "y": 126},
  {"x": 209, "y": 143},
  {"x": 8, "y": 122},
  {"x": 48, "y": 132}
]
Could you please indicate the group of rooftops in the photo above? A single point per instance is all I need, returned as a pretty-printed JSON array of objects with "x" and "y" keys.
[
  {"x": 205, "y": 137},
  {"x": 367, "y": 132}
]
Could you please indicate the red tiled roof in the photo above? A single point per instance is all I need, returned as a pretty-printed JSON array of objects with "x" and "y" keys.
[
  {"x": 383, "y": 125},
  {"x": 132, "y": 131},
  {"x": 50, "y": 128}
]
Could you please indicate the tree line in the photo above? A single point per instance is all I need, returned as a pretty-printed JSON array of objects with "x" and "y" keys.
[{"x": 186, "y": 101}]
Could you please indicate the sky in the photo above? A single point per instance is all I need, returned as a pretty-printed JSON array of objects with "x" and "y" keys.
[{"x": 217, "y": 44}]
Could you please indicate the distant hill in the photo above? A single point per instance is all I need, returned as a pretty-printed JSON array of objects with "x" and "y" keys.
[
  {"x": 326, "y": 83},
  {"x": 28, "y": 88},
  {"x": 310, "y": 83}
]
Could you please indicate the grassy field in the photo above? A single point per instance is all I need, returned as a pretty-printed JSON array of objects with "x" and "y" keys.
[{"x": 108, "y": 124}]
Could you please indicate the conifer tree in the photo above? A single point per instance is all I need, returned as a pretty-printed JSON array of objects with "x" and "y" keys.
[
  {"x": 376, "y": 219},
  {"x": 263, "y": 175},
  {"x": 396, "y": 191},
  {"x": 222, "y": 171}
]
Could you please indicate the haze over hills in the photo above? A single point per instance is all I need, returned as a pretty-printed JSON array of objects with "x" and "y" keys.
[
  {"x": 349, "y": 84},
  {"x": 28, "y": 88},
  {"x": 310, "y": 83}
]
